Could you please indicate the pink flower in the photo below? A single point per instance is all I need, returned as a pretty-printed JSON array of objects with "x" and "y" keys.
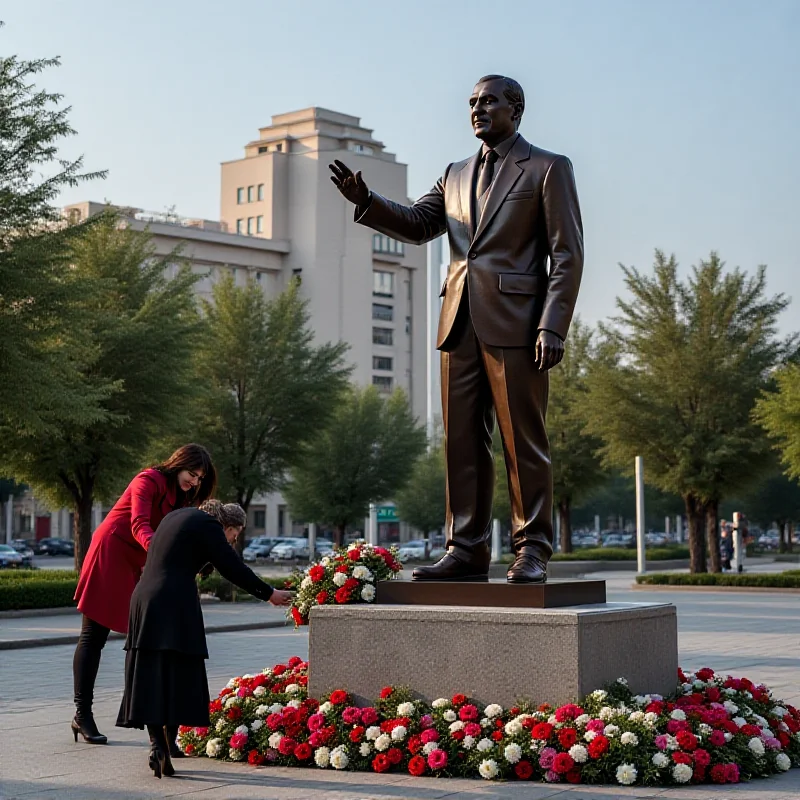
[
  {"x": 675, "y": 725},
  {"x": 315, "y": 722},
  {"x": 546, "y": 758},
  {"x": 238, "y": 741},
  {"x": 772, "y": 742},
  {"x": 437, "y": 759},
  {"x": 274, "y": 721},
  {"x": 552, "y": 777},
  {"x": 429, "y": 735},
  {"x": 426, "y": 722},
  {"x": 472, "y": 729},
  {"x": 467, "y": 713},
  {"x": 316, "y": 739},
  {"x": 732, "y": 773},
  {"x": 717, "y": 738},
  {"x": 244, "y": 691},
  {"x": 568, "y": 712},
  {"x": 201, "y": 732},
  {"x": 369, "y": 716},
  {"x": 596, "y": 725},
  {"x": 661, "y": 741},
  {"x": 351, "y": 715}
]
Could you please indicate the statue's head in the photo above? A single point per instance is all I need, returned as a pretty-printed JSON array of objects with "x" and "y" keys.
[{"x": 496, "y": 107}]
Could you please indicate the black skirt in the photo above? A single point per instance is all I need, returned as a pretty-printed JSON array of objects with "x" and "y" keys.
[{"x": 163, "y": 687}]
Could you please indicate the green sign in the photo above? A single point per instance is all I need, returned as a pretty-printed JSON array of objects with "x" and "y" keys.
[{"x": 387, "y": 514}]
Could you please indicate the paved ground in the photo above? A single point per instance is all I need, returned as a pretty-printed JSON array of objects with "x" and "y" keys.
[{"x": 756, "y": 635}]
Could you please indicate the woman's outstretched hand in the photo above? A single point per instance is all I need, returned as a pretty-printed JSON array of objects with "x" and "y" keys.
[{"x": 280, "y": 597}]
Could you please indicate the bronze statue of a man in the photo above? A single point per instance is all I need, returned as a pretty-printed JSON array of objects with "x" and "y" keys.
[{"x": 506, "y": 211}]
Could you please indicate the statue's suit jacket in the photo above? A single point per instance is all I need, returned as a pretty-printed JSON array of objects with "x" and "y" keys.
[{"x": 530, "y": 213}]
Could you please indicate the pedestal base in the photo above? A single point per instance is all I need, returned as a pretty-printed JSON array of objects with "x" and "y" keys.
[{"x": 494, "y": 655}]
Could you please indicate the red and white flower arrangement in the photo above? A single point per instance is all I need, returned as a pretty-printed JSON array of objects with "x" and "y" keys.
[
  {"x": 348, "y": 576},
  {"x": 713, "y": 729}
]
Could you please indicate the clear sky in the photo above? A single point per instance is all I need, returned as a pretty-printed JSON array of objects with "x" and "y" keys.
[{"x": 682, "y": 117}]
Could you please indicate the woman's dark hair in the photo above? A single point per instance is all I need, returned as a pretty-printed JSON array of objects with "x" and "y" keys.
[
  {"x": 194, "y": 458},
  {"x": 229, "y": 515}
]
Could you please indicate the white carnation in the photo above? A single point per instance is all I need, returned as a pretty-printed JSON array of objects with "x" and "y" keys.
[
  {"x": 339, "y": 758},
  {"x": 622, "y": 681},
  {"x": 611, "y": 730},
  {"x": 365, "y": 749},
  {"x": 450, "y": 715},
  {"x": 242, "y": 729},
  {"x": 704, "y": 729},
  {"x": 629, "y": 738},
  {"x": 257, "y": 725},
  {"x": 779, "y": 711},
  {"x": 362, "y": 573},
  {"x": 486, "y": 722},
  {"x": 660, "y": 760},
  {"x": 372, "y": 733},
  {"x": 599, "y": 694},
  {"x": 589, "y": 735},
  {"x": 231, "y": 684},
  {"x": 325, "y": 707},
  {"x": 579, "y": 753},
  {"x": 485, "y": 744},
  {"x": 259, "y": 691},
  {"x": 637, "y": 716},
  {"x": 456, "y": 726},
  {"x": 383, "y": 742},
  {"x": 213, "y": 748},
  {"x": 292, "y": 688},
  {"x": 756, "y": 746},
  {"x": 728, "y": 736},
  {"x": 399, "y": 733},
  {"x": 339, "y": 578},
  {"x": 275, "y": 739},
  {"x": 368, "y": 593},
  {"x": 513, "y": 753},
  {"x": 651, "y": 717},
  {"x": 326, "y": 562},
  {"x": 513, "y": 727},
  {"x": 783, "y": 762},
  {"x": 275, "y": 708},
  {"x": 606, "y": 712},
  {"x": 740, "y": 721},
  {"x": 581, "y": 721},
  {"x": 405, "y": 709},
  {"x": 488, "y": 769},
  {"x": 681, "y": 773},
  {"x": 626, "y": 774},
  {"x": 322, "y": 757},
  {"x": 678, "y": 714},
  {"x": 552, "y": 719},
  {"x": 294, "y": 703},
  {"x": 306, "y": 582},
  {"x": 468, "y": 742},
  {"x": 220, "y": 724},
  {"x": 441, "y": 702},
  {"x": 429, "y": 747},
  {"x": 235, "y": 755},
  {"x": 730, "y": 692},
  {"x": 494, "y": 710},
  {"x": 262, "y": 711},
  {"x": 730, "y": 707}
]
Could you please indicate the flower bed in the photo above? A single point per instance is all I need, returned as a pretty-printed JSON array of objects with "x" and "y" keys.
[
  {"x": 348, "y": 576},
  {"x": 714, "y": 729}
]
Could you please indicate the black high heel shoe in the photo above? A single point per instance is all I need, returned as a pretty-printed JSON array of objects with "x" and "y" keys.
[
  {"x": 87, "y": 727},
  {"x": 171, "y": 732},
  {"x": 155, "y": 761}
]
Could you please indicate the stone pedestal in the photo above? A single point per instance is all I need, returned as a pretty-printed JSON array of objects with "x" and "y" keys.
[{"x": 494, "y": 655}]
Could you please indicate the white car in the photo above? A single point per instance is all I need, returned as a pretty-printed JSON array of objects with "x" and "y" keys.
[
  {"x": 415, "y": 549},
  {"x": 289, "y": 548},
  {"x": 9, "y": 557}
]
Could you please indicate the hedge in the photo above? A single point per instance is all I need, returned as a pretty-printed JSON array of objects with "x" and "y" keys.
[
  {"x": 777, "y": 580},
  {"x": 16, "y": 575},
  {"x": 223, "y": 589},
  {"x": 37, "y": 594},
  {"x": 623, "y": 554}
]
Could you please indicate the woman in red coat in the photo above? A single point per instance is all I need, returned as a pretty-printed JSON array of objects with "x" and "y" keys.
[{"x": 115, "y": 560}]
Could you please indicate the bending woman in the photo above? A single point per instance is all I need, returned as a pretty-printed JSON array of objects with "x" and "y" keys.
[
  {"x": 165, "y": 671},
  {"x": 115, "y": 560}
]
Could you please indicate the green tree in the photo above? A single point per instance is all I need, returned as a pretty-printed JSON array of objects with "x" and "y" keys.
[
  {"x": 140, "y": 329},
  {"x": 40, "y": 339},
  {"x": 421, "y": 502},
  {"x": 677, "y": 380},
  {"x": 577, "y": 466},
  {"x": 775, "y": 500},
  {"x": 365, "y": 455},
  {"x": 779, "y": 413},
  {"x": 271, "y": 390}
]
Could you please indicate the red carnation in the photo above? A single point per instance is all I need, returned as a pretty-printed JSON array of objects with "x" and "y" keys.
[
  {"x": 717, "y": 738},
  {"x": 342, "y": 595},
  {"x": 338, "y": 697},
  {"x": 354, "y": 554},
  {"x": 568, "y": 712},
  {"x": 563, "y": 763},
  {"x": 287, "y": 746},
  {"x": 234, "y": 713},
  {"x": 783, "y": 738},
  {"x": 468, "y": 712},
  {"x": 598, "y": 746},
  {"x": 386, "y": 692},
  {"x": 574, "y": 775},
  {"x": 350, "y": 584},
  {"x": 416, "y": 766},
  {"x": 523, "y": 770},
  {"x": 316, "y": 573},
  {"x": 381, "y": 763},
  {"x": 567, "y": 737},
  {"x": 303, "y": 751},
  {"x": 322, "y": 598},
  {"x": 713, "y": 694},
  {"x": 414, "y": 744},
  {"x": 297, "y": 617},
  {"x": 341, "y": 568},
  {"x": 189, "y": 749},
  {"x": 255, "y": 759},
  {"x": 732, "y": 773},
  {"x": 718, "y": 774},
  {"x": 459, "y": 699},
  {"x": 214, "y": 706},
  {"x": 225, "y": 692},
  {"x": 542, "y": 731},
  {"x": 395, "y": 755},
  {"x": 705, "y": 674},
  {"x": 750, "y": 730},
  {"x": 681, "y": 758},
  {"x": 699, "y": 773},
  {"x": 497, "y": 736},
  {"x": 701, "y": 757},
  {"x": 459, "y": 736},
  {"x": 687, "y": 740}
]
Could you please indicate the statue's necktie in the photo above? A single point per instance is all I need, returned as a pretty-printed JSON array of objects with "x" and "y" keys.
[{"x": 485, "y": 178}]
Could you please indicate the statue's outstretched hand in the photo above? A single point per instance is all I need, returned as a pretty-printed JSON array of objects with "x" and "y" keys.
[
  {"x": 549, "y": 350},
  {"x": 350, "y": 185}
]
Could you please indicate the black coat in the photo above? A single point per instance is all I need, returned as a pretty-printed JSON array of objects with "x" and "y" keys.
[{"x": 165, "y": 609}]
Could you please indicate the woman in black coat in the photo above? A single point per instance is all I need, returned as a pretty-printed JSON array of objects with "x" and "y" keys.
[{"x": 165, "y": 671}]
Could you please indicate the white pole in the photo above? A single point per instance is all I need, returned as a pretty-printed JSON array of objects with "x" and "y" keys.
[
  {"x": 557, "y": 542},
  {"x": 640, "y": 551},
  {"x": 666, "y": 525},
  {"x": 497, "y": 549},
  {"x": 373, "y": 524},
  {"x": 10, "y": 518},
  {"x": 738, "y": 543},
  {"x": 679, "y": 529},
  {"x": 312, "y": 540},
  {"x": 597, "y": 524}
]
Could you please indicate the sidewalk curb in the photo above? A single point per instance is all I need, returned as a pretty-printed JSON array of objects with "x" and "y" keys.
[
  {"x": 22, "y": 613},
  {"x": 668, "y": 587},
  {"x": 53, "y": 641}
]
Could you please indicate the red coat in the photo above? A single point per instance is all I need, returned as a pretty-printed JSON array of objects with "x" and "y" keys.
[{"x": 116, "y": 556}]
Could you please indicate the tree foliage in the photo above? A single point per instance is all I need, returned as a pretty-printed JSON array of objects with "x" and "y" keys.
[
  {"x": 364, "y": 455},
  {"x": 677, "y": 379},
  {"x": 139, "y": 329},
  {"x": 421, "y": 502},
  {"x": 779, "y": 413}
]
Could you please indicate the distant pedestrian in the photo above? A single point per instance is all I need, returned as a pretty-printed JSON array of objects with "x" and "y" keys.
[{"x": 726, "y": 545}]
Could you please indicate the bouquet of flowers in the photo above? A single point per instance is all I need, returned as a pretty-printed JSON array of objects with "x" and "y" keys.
[
  {"x": 348, "y": 576},
  {"x": 713, "y": 729}
]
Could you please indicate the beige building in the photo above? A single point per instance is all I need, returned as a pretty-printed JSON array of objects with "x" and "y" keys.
[{"x": 281, "y": 217}]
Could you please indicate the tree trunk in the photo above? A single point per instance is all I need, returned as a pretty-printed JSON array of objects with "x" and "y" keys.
[
  {"x": 712, "y": 536},
  {"x": 338, "y": 535},
  {"x": 565, "y": 525},
  {"x": 82, "y": 526},
  {"x": 695, "y": 519},
  {"x": 789, "y": 536}
]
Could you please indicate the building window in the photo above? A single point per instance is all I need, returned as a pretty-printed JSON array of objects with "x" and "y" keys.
[
  {"x": 260, "y": 520},
  {"x": 408, "y": 325},
  {"x": 258, "y": 277},
  {"x": 382, "y": 336},
  {"x": 240, "y": 195},
  {"x": 363, "y": 149},
  {"x": 259, "y": 224},
  {"x": 251, "y": 194},
  {"x": 74, "y": 216},
  {"x": 383, "y": 382},
  {"x": 385, "y": 244},
  {"x": 382, "y": 362},
  {"x": 279, "y": 148},
  {"x": 250, "y": 222},
  {"x": 260, "y": 191},
  {"x": 382, "y": 312},
  {"x": 383, "y": 283},
  {"x": 263, "y": 149},
  {"x": 239, "y": 226}
]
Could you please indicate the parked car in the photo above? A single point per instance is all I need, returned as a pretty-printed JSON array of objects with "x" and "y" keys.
[
  {"x": 619, "y": 540},
  {"x": 9, "y": 557},
  {"x": 412, "y": 551},
  {"x": 656, "y": 539},
  {"x": 769, "y": 540},
  {"x": 289, "y": 548},
  {"x": 25, "y": 550},
  {"x": 324, "y": 548},
  {"x": 56, "y": 547},
  {"x": 259, "y": 548}
]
